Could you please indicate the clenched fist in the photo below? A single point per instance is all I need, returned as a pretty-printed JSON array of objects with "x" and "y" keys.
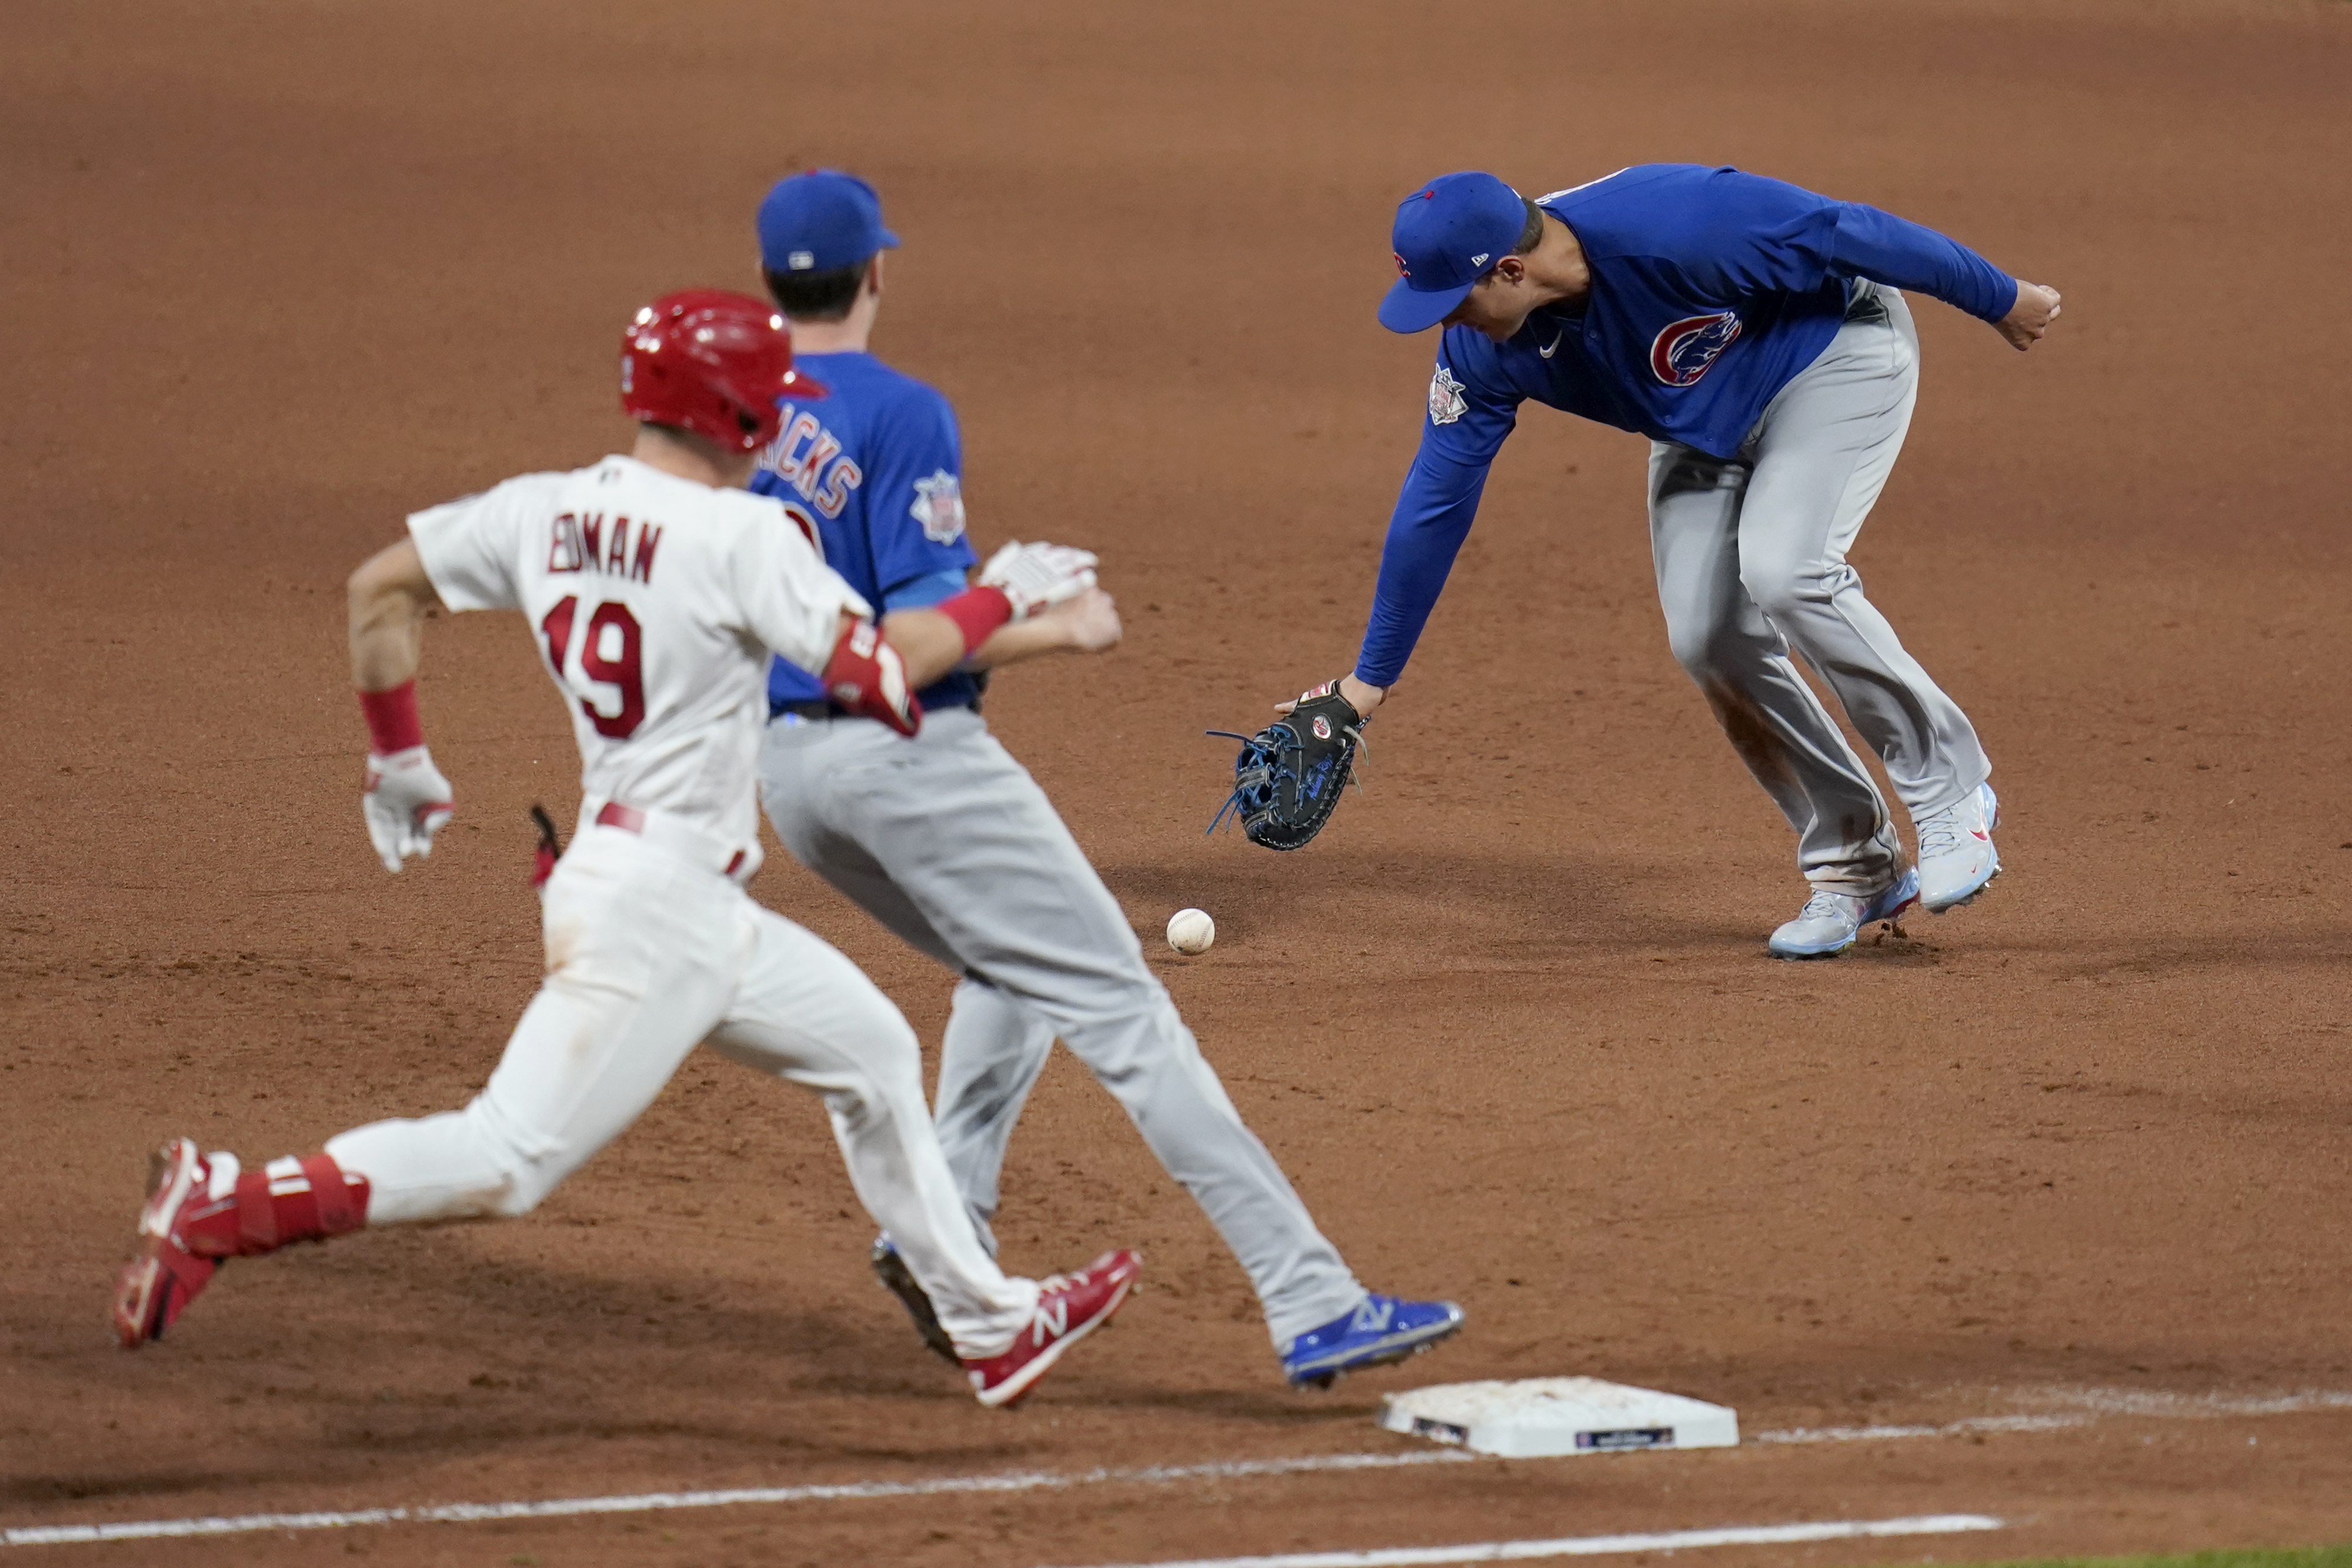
[
  {"x": 1088, "y": 623},
  {"x": 2036, "y": 308},
  {"x": 405, "y": 803}
]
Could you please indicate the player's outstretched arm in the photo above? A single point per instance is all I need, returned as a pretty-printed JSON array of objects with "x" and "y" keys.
[
  {"x": 932, "y": 644},
  {"x": 1086, "y": 624},
  {"x": 1030, "y": 599},
  {"x": 404, "y": 801}
]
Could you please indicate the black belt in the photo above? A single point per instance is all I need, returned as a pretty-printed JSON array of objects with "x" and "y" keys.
[{"x": 819, "y": 710}]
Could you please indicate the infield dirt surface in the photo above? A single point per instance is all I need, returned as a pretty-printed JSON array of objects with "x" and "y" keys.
[{"x": 278, "y": 273}]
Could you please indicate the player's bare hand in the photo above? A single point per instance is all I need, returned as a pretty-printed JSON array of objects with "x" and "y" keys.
[
  {"x": 406, "y": 802},
  {"x": 1363, "y": 699},
  {"x": 1088, "y": 623},
  {"x": 2036, "y": 308},
  {"x": 1038, "y": 576}
]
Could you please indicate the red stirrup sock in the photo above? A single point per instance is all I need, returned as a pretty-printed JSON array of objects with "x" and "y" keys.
[{"x": 309, "y": 1199}]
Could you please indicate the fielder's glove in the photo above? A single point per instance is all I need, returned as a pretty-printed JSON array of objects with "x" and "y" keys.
[
  {"x": 406, "y": 802},
  {"x": 1038, "y": 576},
  {"x": 1288, "y": 777}
]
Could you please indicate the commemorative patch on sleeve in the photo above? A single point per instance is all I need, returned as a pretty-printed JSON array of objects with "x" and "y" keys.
[
  {"x": 1445, "y": 403},
  {"x": 939, "y": 507}
]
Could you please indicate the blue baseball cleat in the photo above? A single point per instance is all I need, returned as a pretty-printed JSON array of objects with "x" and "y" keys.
[{"x": 1381, "y": 1330}]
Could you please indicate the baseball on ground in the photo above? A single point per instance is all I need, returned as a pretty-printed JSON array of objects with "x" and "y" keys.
[{"x": 1190, "y": 930}]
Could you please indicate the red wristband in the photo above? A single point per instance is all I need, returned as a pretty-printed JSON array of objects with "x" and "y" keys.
[
  {"x": 976, "y": 612},
  {"x": 392, "y": 721}
]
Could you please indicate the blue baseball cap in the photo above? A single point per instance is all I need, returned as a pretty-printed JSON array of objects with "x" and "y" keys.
[
  {"x": 1448, "y": 234},
  {"x": 819, "y": 221}
]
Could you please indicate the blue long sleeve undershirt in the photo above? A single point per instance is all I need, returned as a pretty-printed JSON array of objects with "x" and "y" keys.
[
  {"x": 1868, "y": 243},
  {"x": 1440, "y": 497},
  {"x": 1433, "y": 518}
]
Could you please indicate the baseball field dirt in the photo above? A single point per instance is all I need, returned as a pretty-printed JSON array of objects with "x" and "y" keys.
[{"x": 278, "y": 273}]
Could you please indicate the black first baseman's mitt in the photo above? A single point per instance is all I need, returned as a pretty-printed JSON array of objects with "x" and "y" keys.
[{"x": 1288, "y": 777}]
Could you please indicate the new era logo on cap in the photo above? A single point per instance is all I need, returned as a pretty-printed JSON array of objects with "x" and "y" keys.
[{"x": 801, "y": 261}]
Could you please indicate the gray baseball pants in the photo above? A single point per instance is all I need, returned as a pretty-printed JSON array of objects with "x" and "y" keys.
[
  {"x": 1750, "y": 554},
  {"x": 948, "y": 841}
]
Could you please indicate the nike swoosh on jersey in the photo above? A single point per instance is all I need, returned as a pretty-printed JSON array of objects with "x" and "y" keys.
[{"x": 1548, "y": 350}]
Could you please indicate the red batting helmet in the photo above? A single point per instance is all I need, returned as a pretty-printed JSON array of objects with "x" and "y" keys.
[{"x": 714, "y": 362}]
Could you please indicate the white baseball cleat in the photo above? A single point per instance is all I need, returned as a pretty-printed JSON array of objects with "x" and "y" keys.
[
  {"x": 1830, "y": 921},
  {"x": 1956, "y": 854}
]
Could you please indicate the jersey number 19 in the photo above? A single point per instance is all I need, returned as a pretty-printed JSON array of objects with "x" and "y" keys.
[{"x": 622, "y": 671}]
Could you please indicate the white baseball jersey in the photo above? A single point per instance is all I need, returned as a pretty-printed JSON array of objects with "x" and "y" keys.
[{"x": 656, "y": 601}]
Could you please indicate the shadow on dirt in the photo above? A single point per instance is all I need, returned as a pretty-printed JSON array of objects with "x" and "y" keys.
[{"x": 1569, "y": 898}]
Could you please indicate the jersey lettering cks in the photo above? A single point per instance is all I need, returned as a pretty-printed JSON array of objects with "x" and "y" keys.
[
  {"x": 1711, "y": 290},
  {"x": 657, "y": 603},
  {"x": 873, "y": 473}
]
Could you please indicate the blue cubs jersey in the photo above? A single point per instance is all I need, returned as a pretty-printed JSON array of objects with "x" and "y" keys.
[
  {"x": 874, "y": 474},
  {"x": 1710, "y": 291}
]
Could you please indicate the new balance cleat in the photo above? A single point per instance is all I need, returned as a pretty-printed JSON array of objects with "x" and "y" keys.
[
  {"x": 1830, "y": 921},
  {"x": 899, "y": 1280},
  {"x": 1381, "y": 1330},
  {"x": 1957, "y": 858},
  {"x": 1069, "y": 1308}
]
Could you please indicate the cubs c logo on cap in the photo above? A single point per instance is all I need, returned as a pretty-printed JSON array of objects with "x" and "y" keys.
[
  {"x": 1684, "y": 349},
  {"x": 1402, "y": 270}
]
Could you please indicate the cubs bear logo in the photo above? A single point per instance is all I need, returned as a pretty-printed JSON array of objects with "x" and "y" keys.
[
  {"x": 1682, "y": 353},
  {"x": 1445, "y": 403}
]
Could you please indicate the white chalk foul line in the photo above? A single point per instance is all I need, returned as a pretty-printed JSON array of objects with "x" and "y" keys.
[
  {"x": 1599, "y": 1546},
  {"x": 1948, "y": 1430},
  {"x": 648, "y": 1502},
  {"x": 2090, "y": 1405}
]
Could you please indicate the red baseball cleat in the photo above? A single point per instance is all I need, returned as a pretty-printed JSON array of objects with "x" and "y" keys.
[
  {"x": 185, "y": 1229},
  {"x": 1070, "y": 1307},
  {"x": 156, "y": 1286}
]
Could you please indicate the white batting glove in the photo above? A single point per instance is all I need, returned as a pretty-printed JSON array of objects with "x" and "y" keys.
[
  {"x": 405, "y": 803},
  {"x": 1038, "y": 576}
]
